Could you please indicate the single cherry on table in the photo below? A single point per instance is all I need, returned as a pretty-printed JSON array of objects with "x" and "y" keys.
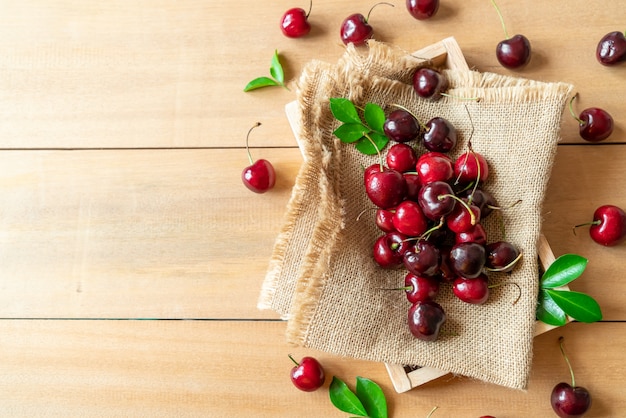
[
  {"x": 569, "y": 401},
  {"x": 512, "y": 52},
  {"x": 259, "y": 176},
  {"x": 295, "y": 22},
  {"x": 356, "y": 29},
  {"x": 595, "y": 124},
  {"x": 422, "y": 9},
  {"x": 308, "y": 374},
  {"x": 608, "y": 227},
  {"x": 611, "y": 49}
]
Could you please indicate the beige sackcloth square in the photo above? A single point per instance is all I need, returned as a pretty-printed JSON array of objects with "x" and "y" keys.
[{"x": 322, "y": 277}]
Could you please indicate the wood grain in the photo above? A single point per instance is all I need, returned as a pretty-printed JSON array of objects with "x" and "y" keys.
[{"x": 122, "y": 133}]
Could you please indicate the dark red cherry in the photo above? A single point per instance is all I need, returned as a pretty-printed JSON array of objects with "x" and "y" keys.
[
  {"x": 501, "y": 256},
  {"x": 594, "y": 124},
  {"x": 423, "y": 259},
  {"x": 475, "y": 234},
  {"x": 295, "y": 23},
  {"x": 422, "y": 9},
  {"x": 429, "y": 83},
  {"x": 436, "y": 200},
  {"x": 259, "y": 176},
  {"x": 468, "y": 259},
  {"x": 440, "y": 135},
  {"x": 483, "y": 199},
  {"x": 401, "y": 126},
  {"x": 569, "y": 401},
  {"x": 413, "y": 186},
  {"x": 612, "y": 48},
  {"x": 356, "y": 28},
  {"x": 425, "y": 320},
  {"x": 513, "y": 53}
]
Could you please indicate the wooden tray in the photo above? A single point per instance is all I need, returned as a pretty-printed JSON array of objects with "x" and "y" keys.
[{"x": 443, "y": 54}]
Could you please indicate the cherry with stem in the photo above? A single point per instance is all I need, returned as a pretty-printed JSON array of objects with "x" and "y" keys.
[{"x": 260, "y": 175}]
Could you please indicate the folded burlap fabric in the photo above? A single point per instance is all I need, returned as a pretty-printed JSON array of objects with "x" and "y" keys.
[{"x": 322, "y": 276}]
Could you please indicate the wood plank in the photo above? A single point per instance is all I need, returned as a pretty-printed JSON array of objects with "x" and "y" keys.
[
  {"x": 170, "y": 74},
  {"x": 152, "y": 233},
  {"x": 222, "y": 368},
  {"x": 166, "y": 234}
]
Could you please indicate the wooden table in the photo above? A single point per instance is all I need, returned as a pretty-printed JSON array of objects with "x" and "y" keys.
[{"x": 131, "y": 256}]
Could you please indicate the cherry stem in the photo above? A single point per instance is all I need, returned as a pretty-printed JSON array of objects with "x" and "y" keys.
[
  {"x": 293, "y": 359},
  {"x": 310, "y": 8},
  {"x": 598, "y": 222},
  {"x": 377, "y": 4},
  {"x": 519, "y": 293},
  {"x": 506, "y": 35},
  {"x": 462, "y": 202},
  {"x": 405, "y": 288},
  {"x": 247, "y": 137},
  {"x": 431, "y": 412},
  {"x": 358, "y": 218},
  {"x": 569, "y": 365},
  {"x": 380, "y": 155},
  {"x": 452, "y": 96},
  {"x": 433, "y": 229},
  {"x": 571, "y": 109},
  {"x": 508, "y": 266}
]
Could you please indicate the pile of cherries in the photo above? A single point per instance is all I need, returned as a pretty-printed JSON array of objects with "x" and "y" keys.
[{"x": 429, "y": 208}]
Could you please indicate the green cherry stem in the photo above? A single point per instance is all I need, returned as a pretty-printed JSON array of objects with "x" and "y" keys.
[
  {"x": 569, "y": 365},
  {"x": 367, "y": 19},
  {"x": 293, "y": 359},
  {"x": 506, "y": 35},
  {"x": 247, "y": 137},
  {"x": 571, "y": 109},
  {"x": 508, "y": 266},
  {"x": 519, "y": 293},
  {"x": 462, "y": 202},
  {"x": 598, "y": 222},
  {"x": 380, "y": 155}
]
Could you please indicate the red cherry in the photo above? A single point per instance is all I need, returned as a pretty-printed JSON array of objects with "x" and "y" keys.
[
  {"x": 389, "y": 250},
  {"x": 420, "y": 288},
  {"x": 569, "y": 401},
  {"x": 474, "y": 291},
  {"x": 611, "y": 48},
  {"x": 308, "y": 375},
  {"x": 259, "y": 176},
  {"x": 608, "y": 227},
  {"x": 355, "y": 28},
  {"x": 594, "y": 124},
  {"x": 434, "y": 166},
  {"x": 512, "y": 52},
  {"x": 386, "y": 189},
  {"x": 462, "y": 219},
  {"x": 422, "y": 9},
  {"x": 294, "y": 22},
  {"x": 384, "y": 220},
  {"x": 425, "y": 320},
  {"x": 475, "y": 234},
  {"x": 409, "y": 219},
  {"x": 471, "y": 167},
  {"x": 401, "y": 157}
]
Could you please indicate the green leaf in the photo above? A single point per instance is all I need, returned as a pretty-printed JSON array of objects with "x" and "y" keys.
[
  {"x": 548, "y": 311},
  {"x": 366, "y": 145},
  {"x": 344, "y": 110},
  {"x": 578, "y": 305},
  {"x": 344, "y": 399},
  {"x": 372, "y": 397},
  {"x": 374, "y": 116},
  {"x": 350, "y": 132},
  {"x": 260, "y": 82},
  {"x": 276, "y": 70},
  {"x": 566, "y": 268}
]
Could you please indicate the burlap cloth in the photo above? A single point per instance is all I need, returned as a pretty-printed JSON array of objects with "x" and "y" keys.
[{"x": 322, "y": 277}]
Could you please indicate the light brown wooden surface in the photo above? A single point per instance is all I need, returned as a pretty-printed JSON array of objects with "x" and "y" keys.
[{"x": 122, "y": 130}]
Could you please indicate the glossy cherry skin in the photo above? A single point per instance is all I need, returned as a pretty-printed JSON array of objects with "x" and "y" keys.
[
  {"x": 420, "y": 288},
  {"x": 259, "y": 177},
  {"x": 389, "y": 250},
  {"x": 384, "y": 220},
  {"x": 611, "y": 48},
  {"x": 294, "y": 23},
  {"x": 513, "y": 53},
  {"x": 609, "y": 225},
  {"x": 468, "y": 259},
  {"x": 425, "y": 320},
  {"x": 461, "y": 220},
  {"x": 356, "y": 30},
  {"x": 422, "y": 9},
  {"x": 423, "y": 259},
  {"x": 401, "y": 157},
  {"x": 570, "y": 402},
  {"x": 401, "y": 126},
  {"x": 409, "y": 219},
  {"x": 413, "y": 186},
  {"x": 475, "y": 234},
  {"x": 435, "y": 200},
  {"x": 471, "y": 167},
  {"x": 434, "y": 166},
  {"x": 484, "y": 200},
  {"x": 429, "y": 83},
  {"x": 307, "y": 375},
  {"x": 386, "y": 189},
  {"x": 501, "y": 256},
  {"x": 595, "y": 124},
  {"x": 440, "y": 135},
  {"x": 474, "y": 291}
]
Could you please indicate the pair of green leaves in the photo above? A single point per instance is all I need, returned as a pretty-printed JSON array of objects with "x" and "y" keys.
[
  {"x": 277, "y": 76},
  {"x": 368, "y": 401},
  {"x": 555, "y": 305},
  {"x": 367, "y": 135}
]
